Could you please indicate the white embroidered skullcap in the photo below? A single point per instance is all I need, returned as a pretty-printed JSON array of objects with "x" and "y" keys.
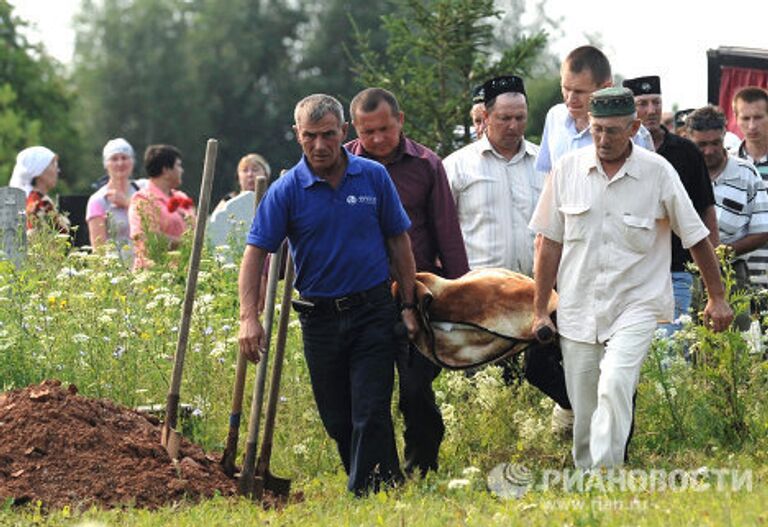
[
  {"x": 117, "y": 146},
  {"x": 30, "y": 163}
]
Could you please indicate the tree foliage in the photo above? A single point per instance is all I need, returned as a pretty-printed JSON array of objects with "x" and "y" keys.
[
  {"x": 132, "y": 74},
  {"x": 179, "y": 71},
  {"x": 437, "y": 51},
  {"x": 35, "y": 103}
]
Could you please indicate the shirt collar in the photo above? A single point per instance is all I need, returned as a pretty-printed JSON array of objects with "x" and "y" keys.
[
  {"x": 570, "y": 124},
  {"x": 484, "y": 145},
  {"x": 729, "y": 170},
  {"x": 307, "y": 178},
  {"x": 157, "y": 191},
  {"x": 589, "y": 162},
  {"x": 403, "y": 148},
  {"x": 745, "y": 155}
]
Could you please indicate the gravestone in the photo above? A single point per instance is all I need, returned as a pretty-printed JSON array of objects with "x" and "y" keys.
[
  {"x": 232, "y": 219},
  {"x": 13, "y": 232}
]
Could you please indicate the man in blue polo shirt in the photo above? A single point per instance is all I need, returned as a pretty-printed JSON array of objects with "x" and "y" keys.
[{"x": 345, "y": 226}]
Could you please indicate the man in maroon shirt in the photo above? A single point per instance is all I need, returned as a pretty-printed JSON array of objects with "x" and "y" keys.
[{"x": 437, "y": 244}]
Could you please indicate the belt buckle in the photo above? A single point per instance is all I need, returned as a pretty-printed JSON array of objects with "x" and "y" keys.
[{"x": 342, "y": 304}]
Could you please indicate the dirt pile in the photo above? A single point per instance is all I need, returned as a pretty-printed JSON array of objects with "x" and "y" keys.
[{"x": 65, "y": 449}]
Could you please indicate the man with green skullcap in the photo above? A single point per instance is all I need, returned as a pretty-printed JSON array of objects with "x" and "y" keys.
[{"x": 605, "y": 216}]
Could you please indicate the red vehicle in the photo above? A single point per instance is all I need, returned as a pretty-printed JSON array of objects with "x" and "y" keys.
[{"x": 732, "y": 68}]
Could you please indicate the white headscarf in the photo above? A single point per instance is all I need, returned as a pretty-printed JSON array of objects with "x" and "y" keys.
[
  {"x": 116, "y": 146},
  {"x": 30, "y": 163}
]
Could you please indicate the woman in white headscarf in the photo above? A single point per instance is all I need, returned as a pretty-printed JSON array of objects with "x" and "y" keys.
[
  {"x": 107, "y": 210},
  {"x": 36, "y": 173}
]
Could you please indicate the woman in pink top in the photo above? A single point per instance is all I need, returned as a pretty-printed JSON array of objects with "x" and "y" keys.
[
  {"x": 159, "y": 214},
  {"x": 107, "y": 210}
]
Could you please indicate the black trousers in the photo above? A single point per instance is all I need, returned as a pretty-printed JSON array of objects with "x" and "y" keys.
[
  {"x": 544, "y": 370},
  {"x": 351, "y": 356},
  {"x": 424, "y": 428}
]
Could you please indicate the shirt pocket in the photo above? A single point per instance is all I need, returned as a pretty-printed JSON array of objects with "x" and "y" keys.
[
  {"x": 575, "y": 220},
  {"x": 639, "y": 232}
]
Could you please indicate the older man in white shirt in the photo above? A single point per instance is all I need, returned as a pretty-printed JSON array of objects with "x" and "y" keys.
[{"x": 606, "y": 215}]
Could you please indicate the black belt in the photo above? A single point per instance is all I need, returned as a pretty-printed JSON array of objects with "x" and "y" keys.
[{"x": 345, "y": 303}]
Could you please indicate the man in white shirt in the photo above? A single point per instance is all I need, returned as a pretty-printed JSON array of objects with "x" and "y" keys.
[
  {"x": 606, "y": 215},
  {"x": 496, "y": 188}
]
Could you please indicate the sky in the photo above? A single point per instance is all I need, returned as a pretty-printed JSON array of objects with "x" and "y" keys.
[{"x": 669, "y": 38}]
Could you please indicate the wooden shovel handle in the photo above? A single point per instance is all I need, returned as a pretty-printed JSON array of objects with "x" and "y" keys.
[{"x": 172, "y": 404}]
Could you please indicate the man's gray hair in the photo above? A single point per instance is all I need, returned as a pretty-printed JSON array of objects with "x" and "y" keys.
[{"x": 316, "y": 106}]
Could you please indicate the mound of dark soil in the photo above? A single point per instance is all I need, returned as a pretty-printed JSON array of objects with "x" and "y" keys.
[{"x": 65, "y": 449}]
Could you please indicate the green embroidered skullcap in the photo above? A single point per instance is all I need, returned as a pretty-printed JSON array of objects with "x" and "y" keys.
[{"x": 610, "y": 102}]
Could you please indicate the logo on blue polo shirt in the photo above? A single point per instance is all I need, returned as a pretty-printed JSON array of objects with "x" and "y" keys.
[{"x": 363, "y": 200}]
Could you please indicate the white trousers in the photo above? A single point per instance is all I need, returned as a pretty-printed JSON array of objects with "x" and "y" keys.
[{"x": 601, "y": 380}]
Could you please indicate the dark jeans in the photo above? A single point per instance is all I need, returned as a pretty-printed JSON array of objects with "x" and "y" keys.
[
  {"x": 544, "y": 370},
  {"x": 351, "y": 355},
  {"x": 424, "y": 428}
]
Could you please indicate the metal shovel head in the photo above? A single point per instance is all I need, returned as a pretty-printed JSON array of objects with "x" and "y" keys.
[
  {"x": 278, "y": 487},
  {"x": 170, "y": 439}
]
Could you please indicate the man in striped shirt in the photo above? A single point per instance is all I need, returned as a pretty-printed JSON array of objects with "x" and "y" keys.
[
  {"x": 740, "y": 194},
  {"x": 750, "y": 105}
]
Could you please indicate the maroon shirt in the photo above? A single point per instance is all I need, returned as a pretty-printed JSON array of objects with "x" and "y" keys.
[{"x": 420, "y": 179}]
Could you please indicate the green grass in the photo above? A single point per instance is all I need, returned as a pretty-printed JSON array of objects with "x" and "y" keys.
[
  {"x": 431, "y": 503},
  {"x": 87, "y": 320}
]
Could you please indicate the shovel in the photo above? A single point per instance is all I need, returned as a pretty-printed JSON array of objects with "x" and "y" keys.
[
  {"x": 230, "y": 451},
  {"x": 245, "y": 483},
  {"x": 169, "y": 437},
  {"x": 264, "y": 479}
]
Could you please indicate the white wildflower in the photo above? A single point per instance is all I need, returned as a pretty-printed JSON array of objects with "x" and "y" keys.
[
  {"x": 458, "y": 484},
  {"x": 218, "y": 350},
  {"x": 67, "y": 272},
  {"x": 80, "y": 338},
  {"x": 470, "y": 472}
]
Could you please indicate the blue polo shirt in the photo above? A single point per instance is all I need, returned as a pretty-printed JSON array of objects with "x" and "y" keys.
[{"x": 337, "y": 236}]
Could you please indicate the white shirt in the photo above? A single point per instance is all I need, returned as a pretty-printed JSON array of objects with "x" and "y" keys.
[
  {"x": 495, "y": 199},
  {"x": 614, "y": 268}
]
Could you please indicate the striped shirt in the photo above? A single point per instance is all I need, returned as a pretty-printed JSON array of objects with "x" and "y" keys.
[
  {"x": 495, "y": 200},
  {"x": 741, "y": 202},
  {"x": 758, "y": 259}
]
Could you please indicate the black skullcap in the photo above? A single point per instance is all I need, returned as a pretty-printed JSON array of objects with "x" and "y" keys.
[
  {"x": 478, "y": 94},
  {"x": 644, "y": 85},
  {"x": 504, "y": 84},
  {"x": 610, "y": 102},
  {"x": 681, "y": 116}
]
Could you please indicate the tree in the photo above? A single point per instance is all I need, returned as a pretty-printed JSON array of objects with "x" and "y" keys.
[
  {"x": 35, "y": 104},
  {"x": 437, "y": 51},
  {"x": 133, "y": 77},
  {"x": 244, "y": 68},
  {"x": 327, "y": 63}
]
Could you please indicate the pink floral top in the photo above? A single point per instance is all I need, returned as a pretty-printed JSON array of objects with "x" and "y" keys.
[{"x": 161, "y": 214}]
